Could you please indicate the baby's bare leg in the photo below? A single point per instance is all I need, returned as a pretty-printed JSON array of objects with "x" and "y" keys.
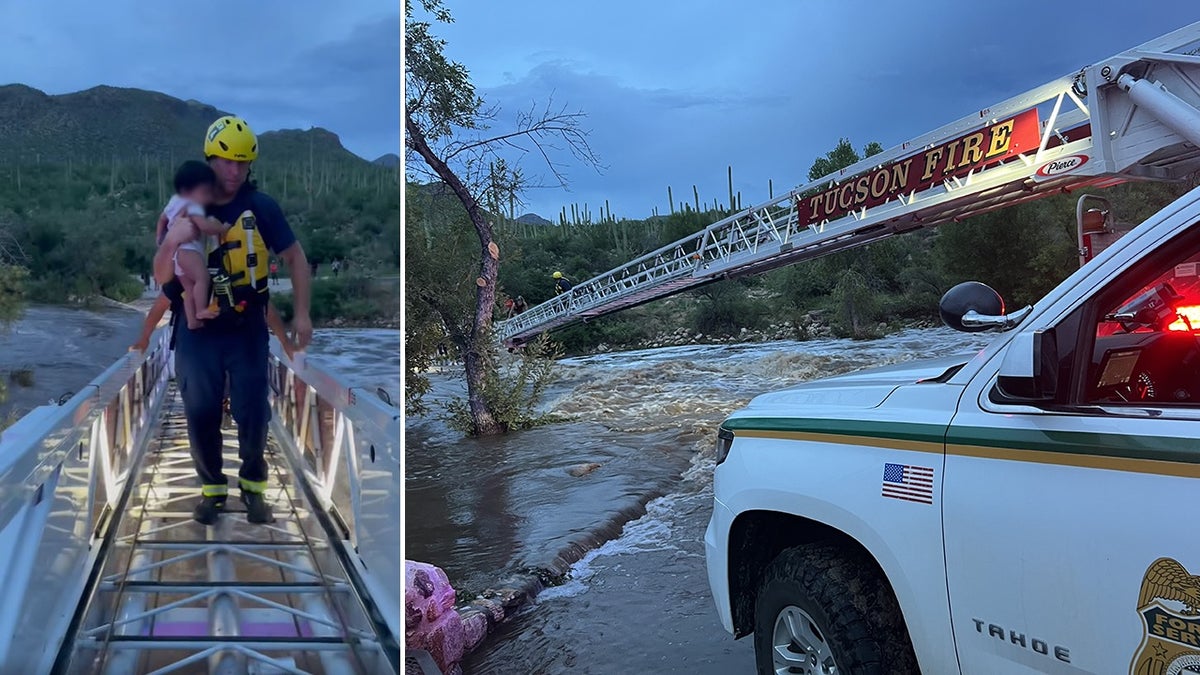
[
  {"x": 195, "y": 274},
  {"x": 189, "y": 310}
]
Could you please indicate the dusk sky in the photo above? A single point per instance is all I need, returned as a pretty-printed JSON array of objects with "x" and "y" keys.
[
  {"x": 279, "y": 63},
  {"x": 677, "y": 91}
]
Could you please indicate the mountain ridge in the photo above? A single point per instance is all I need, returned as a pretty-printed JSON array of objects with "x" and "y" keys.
[{"x": 105, "y": 122}]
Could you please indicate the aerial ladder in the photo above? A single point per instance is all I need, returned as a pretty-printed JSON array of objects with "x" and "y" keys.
[
  {"x": 1134, "y": 116},
  {"x": 104, "y": 571}
]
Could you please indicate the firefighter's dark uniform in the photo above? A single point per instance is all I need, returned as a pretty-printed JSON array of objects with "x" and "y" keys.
[{"x": 233, "y": 345}]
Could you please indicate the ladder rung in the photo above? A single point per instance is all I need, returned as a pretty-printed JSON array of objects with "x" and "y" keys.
[
  {"x": 192, "y": 544},
  {"x": 261, "y": 643},
  {"x": 199, "y": 586},
  {"x": 187, "y": 515}
]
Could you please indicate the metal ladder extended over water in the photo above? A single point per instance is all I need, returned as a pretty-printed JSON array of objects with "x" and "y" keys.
[
  {"x": 107, "y": 572},
  {"x": 1130, "y": 117}
]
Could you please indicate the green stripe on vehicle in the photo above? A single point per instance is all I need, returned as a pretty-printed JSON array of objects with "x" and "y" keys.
[
  {"x": 905, "y": 431},
  {"x": 1161, "y": 448},
  {"x": 1096, "y": 444}
]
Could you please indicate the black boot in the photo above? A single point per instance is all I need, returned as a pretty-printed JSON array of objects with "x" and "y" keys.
[
  {"x": 257, "y": 510},
  {"x": 209, "y": 509}
]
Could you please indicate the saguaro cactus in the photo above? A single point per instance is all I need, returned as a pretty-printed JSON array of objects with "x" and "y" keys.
[{"x": 731, "y": 206}]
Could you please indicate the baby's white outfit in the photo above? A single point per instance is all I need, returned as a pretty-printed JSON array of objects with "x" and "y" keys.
[{"x": 202, "y": 244}]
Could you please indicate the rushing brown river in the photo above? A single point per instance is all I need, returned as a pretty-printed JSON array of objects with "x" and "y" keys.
[
  {"x": 64, "y": 348},
  {"x": 639, "y": 428}
]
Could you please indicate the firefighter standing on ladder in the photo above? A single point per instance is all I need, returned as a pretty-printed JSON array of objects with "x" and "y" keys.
[
  {"x": 561, "y": 283},
  {"x": 235, "y": 343}
]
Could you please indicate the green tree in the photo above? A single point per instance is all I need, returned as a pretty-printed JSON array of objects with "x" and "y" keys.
[
  {"x": 855, "y": 303},
  {"x": 842, "y": 156},
  {"x": 847, "y": 282},
  {"x": 12, "y": 293},
  {"x": 12, "y": 290},
  {"x": 442, "y": 113}
]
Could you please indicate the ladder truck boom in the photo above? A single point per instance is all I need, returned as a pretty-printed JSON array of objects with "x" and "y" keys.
[{"x": 1134, "y": 116}]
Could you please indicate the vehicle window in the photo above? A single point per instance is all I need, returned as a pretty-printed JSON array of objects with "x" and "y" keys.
[{"x": 1147, "y": 338}]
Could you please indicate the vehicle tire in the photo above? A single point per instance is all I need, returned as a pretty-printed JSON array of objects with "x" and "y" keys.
[{"x": 829, "y": 610}]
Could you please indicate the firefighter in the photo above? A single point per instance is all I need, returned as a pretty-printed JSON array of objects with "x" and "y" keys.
[
  {"x": 561, "y": 283},
  {"x": 234, "y": 345}
]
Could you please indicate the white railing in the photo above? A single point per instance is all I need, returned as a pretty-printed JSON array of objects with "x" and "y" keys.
[
  {"x": 348, "y": 442},
  {"x": 63, "y": 471}
]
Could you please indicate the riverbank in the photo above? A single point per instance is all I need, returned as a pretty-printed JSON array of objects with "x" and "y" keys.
[
  {"x": 346, "y": 302},
  {"x": 690, "y": 319},
  {"x": 813, "y": 326},
  {"x": 331, "y": 308}
]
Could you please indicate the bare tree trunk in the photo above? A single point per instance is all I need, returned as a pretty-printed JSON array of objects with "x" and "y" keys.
[{"x": 485, "y": 295}]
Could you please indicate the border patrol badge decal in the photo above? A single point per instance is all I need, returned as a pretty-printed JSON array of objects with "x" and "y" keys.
[{"x": 1169, "y": 604}]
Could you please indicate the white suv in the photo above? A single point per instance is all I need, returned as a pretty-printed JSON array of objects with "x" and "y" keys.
[{"x": 1032, "y": 507}]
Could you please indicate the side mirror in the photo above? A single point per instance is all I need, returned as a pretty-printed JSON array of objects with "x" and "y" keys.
[
  {"x": 972, "y": 307},
  {"x": 1029, "y": 371}
]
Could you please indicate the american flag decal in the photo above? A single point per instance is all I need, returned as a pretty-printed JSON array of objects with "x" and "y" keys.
[{"x": 910, "y": 483}]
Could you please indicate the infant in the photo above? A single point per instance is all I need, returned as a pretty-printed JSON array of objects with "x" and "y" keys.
[{"x": 194, "y": 183}]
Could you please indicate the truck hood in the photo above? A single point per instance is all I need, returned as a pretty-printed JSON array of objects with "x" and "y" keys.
[{"x": 862, "y": 389}]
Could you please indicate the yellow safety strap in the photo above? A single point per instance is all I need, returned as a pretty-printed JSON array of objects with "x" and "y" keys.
[
  {"x": 214, "y": 490},
  {"x": 254, "y": 486}
]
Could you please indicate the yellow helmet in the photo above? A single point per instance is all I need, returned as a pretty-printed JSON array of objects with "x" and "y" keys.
[
  {"x": 231, "y": 138},
  {"x": 557, "y": 275}
]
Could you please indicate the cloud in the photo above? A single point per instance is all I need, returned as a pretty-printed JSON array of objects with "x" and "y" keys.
[
  {"x": 676, "y": 93},
  {"x": 280, "y": 64},
  {"x": 646, "y": 138},
  {"x": 350, "y": 85}
]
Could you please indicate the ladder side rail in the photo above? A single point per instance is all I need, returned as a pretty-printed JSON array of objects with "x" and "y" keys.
[
  {"x": 735, "y": 237},
  {"x": 56, "y": 497},
  {"x": 747, "y": 249},
  {"x": 1000, "y": 111},
  {"x": 1158, "y": 49},
  {"x": 732, "y": 229},
  {"x": 354, "y": 474},
  {"x": 831, "y": 237},
  {"x": 728, "y": 228}
]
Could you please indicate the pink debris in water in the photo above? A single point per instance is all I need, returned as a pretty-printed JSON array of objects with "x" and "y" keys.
[{"x": 430, "y": 620}]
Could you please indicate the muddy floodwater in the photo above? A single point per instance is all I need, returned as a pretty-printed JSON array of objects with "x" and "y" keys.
[
  {"x": 638, "y": 434},
  {"x": 61, "y": 349}
]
